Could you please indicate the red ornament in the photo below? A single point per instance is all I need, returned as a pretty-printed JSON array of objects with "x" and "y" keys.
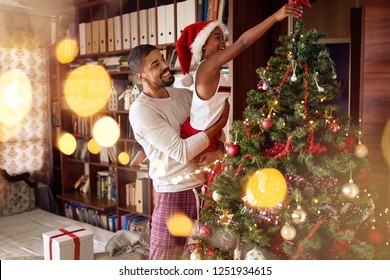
[
  {"x": 233, "y": 149},
  {"x": 210, "y": 251},
  {"x": 267, "y": 123},
  {"x": 260, "y": 86},
  {"x": 334, "y": 127},
  {"x": 375, "y": 236},
  {"x": 338, "y": 249},
  {"x": 204, "y": 231}
]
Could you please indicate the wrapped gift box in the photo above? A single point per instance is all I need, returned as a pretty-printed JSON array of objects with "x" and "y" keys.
[{"x": 70, "y": 243}]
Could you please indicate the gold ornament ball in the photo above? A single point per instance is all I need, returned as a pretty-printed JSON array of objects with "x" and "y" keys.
[
  {"x": 299, "y": 215},
  {"x": 350, "y": 190},
  {"x": 196, "y": 255},
  {"x": 288, "y": 232},
  {"x": 361, "y": 151},
  {"x": 266, "y": 188}
]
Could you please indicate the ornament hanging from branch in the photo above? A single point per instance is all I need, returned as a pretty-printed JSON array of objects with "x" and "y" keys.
[{"x": 294, "y": 68}]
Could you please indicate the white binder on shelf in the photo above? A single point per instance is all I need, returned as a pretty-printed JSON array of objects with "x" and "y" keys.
[
  {"x": 82, "y": 39},
  {"x": 102, "y": 36},
  {"x": 110, "y": 35},
  {"x": 118, "y": 33},
  {"x": 143, "y": 27},
  {"x": 161, "y": 27},
  {"x": 181, "y": 17},
  {"x": 88, "y": 37},
  {"x": 142, "y": 195},
  {"x": 191, "y": 7},
  {"x": 126, "y": 31},
  {"x": 152, "y": 32},
  {"x": 95, "y": 36},
  {"x": 134, "y": 29},
  {"x": 170, "y": 23},
  {"x": 186, "y": 15}
]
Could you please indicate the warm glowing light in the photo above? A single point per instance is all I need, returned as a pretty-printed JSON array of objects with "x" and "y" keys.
[
  {"x": 265, "y": 188},
  {"x": 15, "y": 97},
  {"x": 106, "y": 131},
  {"x": 87, "y": 89},
  {"x": 180, "y": 224},
  {"x": 93, "y": 147},
  {"x": 67, "y": 144},
  {"x": 67, "y": 50},
  {"x": 123, "y": 158}
]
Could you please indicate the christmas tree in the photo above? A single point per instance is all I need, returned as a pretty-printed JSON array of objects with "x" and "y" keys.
[{"x": 293, "y": 184}]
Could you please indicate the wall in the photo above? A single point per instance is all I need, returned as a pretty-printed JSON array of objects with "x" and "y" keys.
[
  {"x": 331, "y": 17},
  {"x": 375, "y": 97}
]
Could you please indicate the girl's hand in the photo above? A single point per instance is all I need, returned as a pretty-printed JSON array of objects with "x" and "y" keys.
[{"x": 289, "y": 10}]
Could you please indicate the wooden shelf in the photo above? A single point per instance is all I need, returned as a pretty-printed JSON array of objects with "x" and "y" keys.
[{"x": 87, "y": 200}]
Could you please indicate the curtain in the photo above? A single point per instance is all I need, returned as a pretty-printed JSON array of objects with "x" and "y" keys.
[{"x": 24, "y": 146}]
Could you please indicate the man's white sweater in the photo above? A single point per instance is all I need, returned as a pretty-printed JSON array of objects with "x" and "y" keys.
[{"x": 156, "y": 125}]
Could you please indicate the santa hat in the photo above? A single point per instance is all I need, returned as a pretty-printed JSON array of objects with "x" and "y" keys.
[{"x": 191, "y": 42}]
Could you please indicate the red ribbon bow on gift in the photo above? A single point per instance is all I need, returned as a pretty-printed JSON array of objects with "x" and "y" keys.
[{"x": 76, "y": 241}]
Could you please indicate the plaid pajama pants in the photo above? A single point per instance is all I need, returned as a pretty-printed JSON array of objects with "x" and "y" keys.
[{"x": 163, "y": 245}]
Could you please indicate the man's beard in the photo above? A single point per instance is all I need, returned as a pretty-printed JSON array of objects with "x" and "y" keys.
[{"x": 170, "y": 81}]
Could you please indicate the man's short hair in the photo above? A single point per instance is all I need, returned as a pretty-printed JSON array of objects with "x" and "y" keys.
[{"x": 136, "y": 58}]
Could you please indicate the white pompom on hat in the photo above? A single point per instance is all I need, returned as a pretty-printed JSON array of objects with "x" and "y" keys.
[{"x": 191, "y": 42}]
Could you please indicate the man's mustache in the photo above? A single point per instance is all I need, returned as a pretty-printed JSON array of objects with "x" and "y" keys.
[{"x": 165, "y": 71}]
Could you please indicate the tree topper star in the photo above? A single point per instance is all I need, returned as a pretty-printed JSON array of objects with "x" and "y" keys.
[{"x": 301, "y": 2}]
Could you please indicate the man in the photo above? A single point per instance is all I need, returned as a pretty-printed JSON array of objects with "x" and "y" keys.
[{"x": 156, "y": 117}]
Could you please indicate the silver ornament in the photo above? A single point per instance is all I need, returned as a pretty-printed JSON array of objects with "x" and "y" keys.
[
  {"x": 361, "y": 151},
  {"x": 265, "y": 86},
  {"x": 299, "y": 215},
  {"x": 216, "y": 196},
  {"x": 350, "y": 190},
  {"x": 254, "y": 254},
  {"x": 334, "y": 76},
  {"x": 294, "y": 78},
  {"x": 288, "y": 232}
]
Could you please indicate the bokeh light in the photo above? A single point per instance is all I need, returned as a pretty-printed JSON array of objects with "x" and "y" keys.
[
  {"x": 15, "y": 97},
  {"x": 93, "y": 147},
  {"x": 106, "y": 131},
  {"x": 67, "y": 50},
  {"x": 87, "y": 89},
  {"x": 266, "y": 188},
  {"x": 123, "y": 158},
  {"x": 67, "y": 144},
  {"x": 385, "y": 143},
  {"x": 180, "y": 224}
]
